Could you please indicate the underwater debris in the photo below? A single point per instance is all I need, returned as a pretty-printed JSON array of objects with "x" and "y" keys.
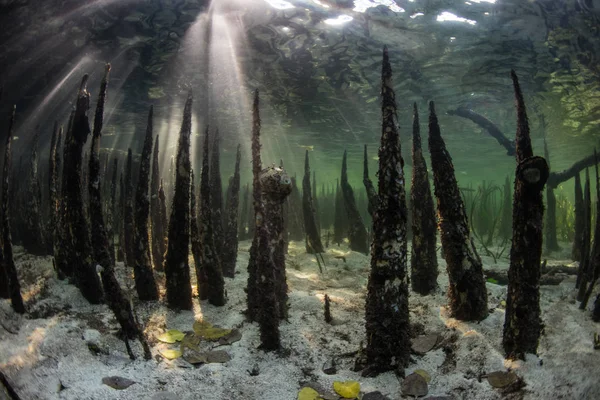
[
  {"x": 177, "y": 270},
  {"x": 229, "y": 255},
  {"x": 6, "y": 256},
  {"x": 170, "y": 354},
  {"x": 118, "y": 303},
  {"x": 347, "y": 389},
  {"x": 522, "y": 322},
  {"x": 424, "y": 343},
  {"x": 117, "y": 382},
  {"x": 501, "y": 379},
  {"x": 313, "y": 237},
  {"x": 386, "y": 309},
  {"x": 209, "y": 259},
  {"x": 171, "y": 336},
  {"x": 414, "y": 385},
  {"x": 357, "y": 233},
  {"x": 466, "y": 291},
  {"x": 156, "y": 212},
  {"x": 423, "y": 260},
  {"x": 308, "y": 393},
  {"x": 144, "y": 278}
]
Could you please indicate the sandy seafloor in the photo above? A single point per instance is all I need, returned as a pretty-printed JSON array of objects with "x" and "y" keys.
[{"x": 47, "y": 355}]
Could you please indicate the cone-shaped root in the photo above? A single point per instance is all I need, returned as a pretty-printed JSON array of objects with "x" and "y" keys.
[
  {"x": 386, "y": 310},
  {"x": 423, "y": 261},
  {"x": 211, "y": 264},
  {"x": 357, "y": 233},
  {"x": 313, "y": 236},
  {"x": 116, "y": 299},
  {"x": 144, "y": 278},
  {"x": 177, "y": 270},
  {"x": 522, "y": 323},
  {"x": 466, "y": 291}
]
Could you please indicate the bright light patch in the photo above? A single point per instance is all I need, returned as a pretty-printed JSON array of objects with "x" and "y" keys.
[
  {"x": 486, "y": 13},
  {"x": 363, "y": 5},
  {"x": 416, "y": 15},
  {"x": 280, "y": 4},
  {"x": 446, "y": 16},
  {"x": 342, "y": 19},
  {"x": 321, "y": 4},
  {"x": 285, "y": 29},
  {"x": 484, "y": 1},
  {"x": 452, "y": 38}
]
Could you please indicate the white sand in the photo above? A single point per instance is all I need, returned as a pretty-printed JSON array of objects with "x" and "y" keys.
[{"x": 51, "y": 350}]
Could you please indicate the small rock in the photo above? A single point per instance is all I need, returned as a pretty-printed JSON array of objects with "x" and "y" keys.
[
  {"x": 414, "y": 385},
  {"x": 375, "y": 396},
  {"x": 329, "y": 367}
]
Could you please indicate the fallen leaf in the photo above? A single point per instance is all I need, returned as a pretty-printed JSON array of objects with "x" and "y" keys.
[
  {"x": 307, "y": 393},
  {"x": 170, "y": 354},
  {"x": 347, "y": 389},
  {"x": 117, "y": 382},
  {"x": 217, "y": 356},
  {"x": 424, "y": 374},
  {"x": 171, "y": 336},
  {"x": 414, "y": 385},
  {"x": 424, "y": 343},
  {"x": 233, "y": 336},
  {"x": 500, "y": 379}
]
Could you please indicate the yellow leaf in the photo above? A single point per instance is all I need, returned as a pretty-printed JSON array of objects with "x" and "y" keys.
[
  {"x": 170, "y": 354},
  {"x": 171, "y": 336},
  {"x": 424, "y": 374},
  {"x": 201, "y": 325},
  {"x": 308, "y": 394},
  {"x": 348, "y": 389},
  {"x": 213, "y": 333}
]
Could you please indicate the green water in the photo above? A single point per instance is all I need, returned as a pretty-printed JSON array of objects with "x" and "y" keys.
[{"x": 317, "y": 65}]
